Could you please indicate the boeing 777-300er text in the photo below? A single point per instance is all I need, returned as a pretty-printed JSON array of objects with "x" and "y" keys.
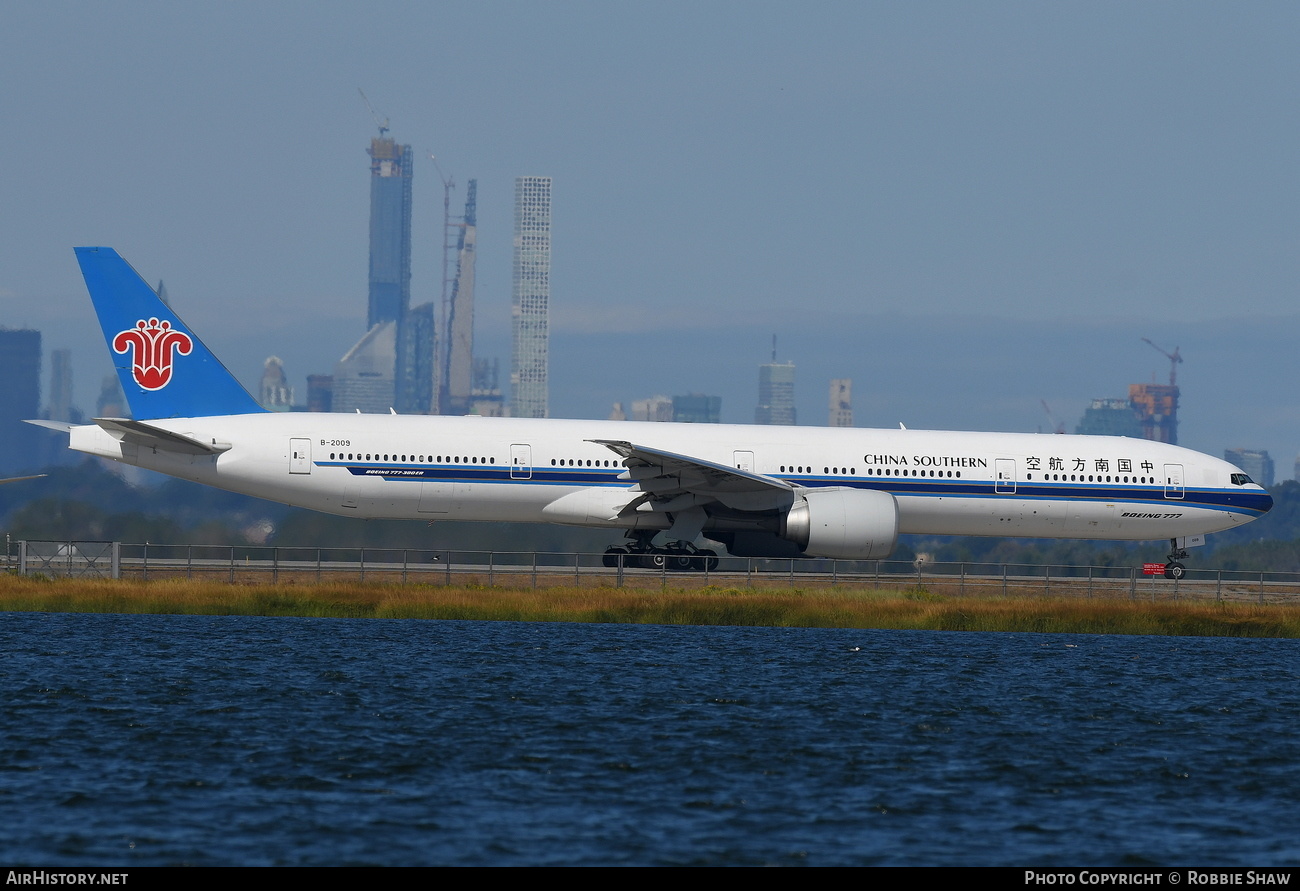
[{"x": 762, "y": 491}]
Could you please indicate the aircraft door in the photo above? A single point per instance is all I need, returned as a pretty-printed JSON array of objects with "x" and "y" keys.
[
  {"x": 521, "y": 461},
  {"x": 1005, "y": 479},
  {"x": 743, "y": 461},
  {"x": 299, "y": 455},
  {"x": 1173, "y": 481}
]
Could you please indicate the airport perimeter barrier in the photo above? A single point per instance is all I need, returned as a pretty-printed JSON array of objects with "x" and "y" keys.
[
  {"x": 69, "y": 559},
  {"x": 440, "y": 566}
]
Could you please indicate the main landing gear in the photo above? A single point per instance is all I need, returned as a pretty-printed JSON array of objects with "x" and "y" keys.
[
  {"x": 1174, "y": 569},
  {"x": 678, "y": 556}
]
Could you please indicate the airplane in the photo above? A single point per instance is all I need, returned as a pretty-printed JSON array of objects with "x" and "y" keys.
[{"x": 763, "y": 491}]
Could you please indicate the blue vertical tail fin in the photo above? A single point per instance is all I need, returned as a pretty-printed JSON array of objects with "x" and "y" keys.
[{"x": 165, "y": 370}]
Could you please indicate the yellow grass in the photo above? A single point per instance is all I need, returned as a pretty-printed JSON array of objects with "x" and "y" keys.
[{"x": 826, "y": 607}]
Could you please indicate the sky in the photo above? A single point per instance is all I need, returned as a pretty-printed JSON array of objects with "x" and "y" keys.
[{"x": 970, "y": 209}]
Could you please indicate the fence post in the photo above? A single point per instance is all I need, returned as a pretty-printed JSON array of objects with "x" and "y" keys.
[
  {"x": 576, "y": 578},
  {"x": 961, "y": 587},
  {"x": 145, "y": 562},
  {"x": 491, "y": 579},
  {"x": 275, "y": 565},
  {"x": 534, "y": 570},
  {"x": 1004, "y": 580},
  {"x": 1132, "y": 582},
  {"x": 232, "y": 564},
  {"x": 1218, "y": 588},
  {"x": 404, "y": 554}
]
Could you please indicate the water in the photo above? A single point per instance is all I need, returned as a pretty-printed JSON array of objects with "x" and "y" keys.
[{"x": 157, "y": 740}]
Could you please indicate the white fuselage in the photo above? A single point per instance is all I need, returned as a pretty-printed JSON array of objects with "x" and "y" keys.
[{"x": 517, "y": 470}]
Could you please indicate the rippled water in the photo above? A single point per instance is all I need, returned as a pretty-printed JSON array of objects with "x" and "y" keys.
[{"x": 152, "y": 740}]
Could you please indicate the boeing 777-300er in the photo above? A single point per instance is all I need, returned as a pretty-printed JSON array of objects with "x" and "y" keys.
[{"x": 762, "y": 491}]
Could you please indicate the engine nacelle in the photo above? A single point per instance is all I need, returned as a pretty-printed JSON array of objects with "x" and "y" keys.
[{"x": 847, "y": 524}]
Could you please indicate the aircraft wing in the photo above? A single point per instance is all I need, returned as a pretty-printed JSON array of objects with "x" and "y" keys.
[
  {"x": 141, "y": 434},
  {"x": 674, "y": 480}
]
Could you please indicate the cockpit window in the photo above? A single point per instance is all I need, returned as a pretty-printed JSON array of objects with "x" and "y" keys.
[{"x": 1241, "y": 479}]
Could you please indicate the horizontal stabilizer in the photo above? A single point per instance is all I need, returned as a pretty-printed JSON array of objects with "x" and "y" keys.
[
  {"x": 61, "y": 426},
  {"x": 141, "y": 434},
  {"x": 19, "y": 479}
]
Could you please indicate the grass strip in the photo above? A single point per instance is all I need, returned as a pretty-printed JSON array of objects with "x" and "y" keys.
[{"x": 823, "y": 607}]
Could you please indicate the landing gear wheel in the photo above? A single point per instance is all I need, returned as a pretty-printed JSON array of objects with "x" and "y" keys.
[
  {"x": 614, "y": 556},
  {"x": 706, "y": 560},
  {"x": 655, "y": 559},
  {"x": 681, "y": 562},
  {"x": 1175, "y": 571}
]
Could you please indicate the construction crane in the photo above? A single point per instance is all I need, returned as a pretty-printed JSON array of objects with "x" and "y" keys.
[
  {"x": 381, "y": 124},
  {"x": 1057, "y": 426},
  {"x": 1173, "y": 358}
]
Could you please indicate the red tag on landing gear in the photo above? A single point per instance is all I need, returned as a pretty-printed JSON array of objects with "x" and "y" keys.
[{"x": 1153, "y": 569}]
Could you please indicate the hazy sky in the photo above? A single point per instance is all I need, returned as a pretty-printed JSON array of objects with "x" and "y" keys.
[{"x": 966, "y": 207}]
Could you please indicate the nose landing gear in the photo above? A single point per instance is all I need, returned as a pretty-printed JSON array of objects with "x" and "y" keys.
[{"x": 1173, "y": 568}]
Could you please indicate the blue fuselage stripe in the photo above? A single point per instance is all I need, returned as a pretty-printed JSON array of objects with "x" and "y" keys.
[{"x": 1237, "y": 501}]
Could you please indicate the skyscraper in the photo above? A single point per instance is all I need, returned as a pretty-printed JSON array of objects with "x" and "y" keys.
[
  {"x": 530, "y": 309},
  {"x": 363, "y": 379},
  {"x": 1255, "y": 462},
  {"x": 60, "y": 402},
  {"x": 841, "y": 403},
  {"x": 20, "y": 399},
  {"x": 1110, "y": 417},
  {"x": 415, "y": 376},
  {"x": 390, "y": 230},
  {"x": 458, "y": 377},
  {"x": 697, "y": 408},
  {"x": 274, "y": 393},
  {"x": 775, "y": 392}
]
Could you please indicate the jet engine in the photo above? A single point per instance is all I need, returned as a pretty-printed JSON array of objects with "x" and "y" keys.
[{"x": 847, "y": 524}]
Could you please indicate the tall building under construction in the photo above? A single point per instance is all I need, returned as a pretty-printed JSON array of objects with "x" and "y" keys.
[
  {"x": 391, "y": 365},
  {"x": 1157, "y": 410},
  {"x": 1150, "y": 412},
  {"x": 530, "y": 309},
  {"x": 390, "y": 230}
]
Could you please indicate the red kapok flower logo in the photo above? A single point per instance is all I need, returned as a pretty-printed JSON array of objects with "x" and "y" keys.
[{"x": 154, "y": 344}]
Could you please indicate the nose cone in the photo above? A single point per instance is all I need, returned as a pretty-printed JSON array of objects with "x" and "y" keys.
[{"x": 1265, "y": 502}]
